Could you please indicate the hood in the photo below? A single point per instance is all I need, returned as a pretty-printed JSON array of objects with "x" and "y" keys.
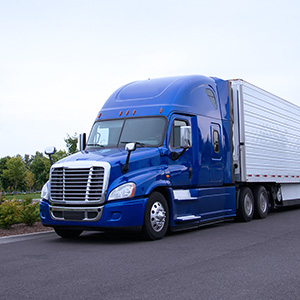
[
  {"x": 106, "y": 155},
  {"x": 139, "y": 159},
  {"x": 146, "y": 167}
]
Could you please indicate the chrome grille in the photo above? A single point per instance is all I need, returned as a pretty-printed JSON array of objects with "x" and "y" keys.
[{"x": 77, "y": 184}]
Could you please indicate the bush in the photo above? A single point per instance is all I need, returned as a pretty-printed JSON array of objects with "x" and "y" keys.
[
  {"x": 9, "y": 213},
  {"x": 30, "y": 213},
  {"x": 27, "y": 200},
  {"x": 17, "y": 211},
  {"x": 2, "y": 197}
]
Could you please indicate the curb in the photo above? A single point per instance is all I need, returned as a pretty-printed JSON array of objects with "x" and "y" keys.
[{"x": 22, "y": 237}]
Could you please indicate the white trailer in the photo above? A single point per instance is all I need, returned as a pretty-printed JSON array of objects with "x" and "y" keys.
[{"x": 266, "y": 142}]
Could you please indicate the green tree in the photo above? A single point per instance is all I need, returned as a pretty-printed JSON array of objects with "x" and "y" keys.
[
  {"x": 1, "y": 189},
  {"x": 40, "y": 167},
  {"x": 15, "y": 171},
  {"x": 4, "y": 182},
  {"x": 59, "y": 155},
  {"x": 37, "y": 154},
  {"x": 29, "y": 179},
  {"x": 28, "y": 160},
  {"x": 71, "y": 142}
]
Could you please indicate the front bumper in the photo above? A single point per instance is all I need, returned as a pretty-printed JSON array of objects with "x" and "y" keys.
[{"x": 114, "y": 214}]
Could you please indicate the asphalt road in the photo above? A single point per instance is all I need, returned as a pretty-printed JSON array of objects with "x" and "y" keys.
[{"x": 256, "y": 260}]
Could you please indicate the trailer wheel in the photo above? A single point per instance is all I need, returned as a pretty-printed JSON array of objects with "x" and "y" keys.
[
  {"x": 68, "y": 233},
  {"x": 246, "y": 205},
  {"x": 156, "y": 219},
  {"x": 261, "y": 202}
]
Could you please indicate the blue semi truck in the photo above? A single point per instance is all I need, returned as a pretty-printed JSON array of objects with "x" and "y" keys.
[{"x": 176, "y": 153}]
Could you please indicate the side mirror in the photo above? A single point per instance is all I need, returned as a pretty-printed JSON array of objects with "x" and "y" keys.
[
  {"x": 50, "y": 151},
  {"x": 185, "y": 137},
  {"x": 130, "y": 147},
  {"x": 185, "y": 141},
  {"x": 82, "y": 141}
]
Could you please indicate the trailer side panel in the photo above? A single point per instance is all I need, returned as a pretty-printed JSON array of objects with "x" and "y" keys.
[{"x": 267, "y": 138}]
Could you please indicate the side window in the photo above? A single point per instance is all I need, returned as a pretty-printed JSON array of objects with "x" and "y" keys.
[
  {"x": 175, "y": 133},
  {"x": 211, "y": 97},
  {"x": 216, "y": 141}
]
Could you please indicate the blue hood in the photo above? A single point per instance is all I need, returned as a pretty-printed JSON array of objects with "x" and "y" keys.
[
  {"x": 108, "y": 155},
  {"x": 144, "y": 162}
]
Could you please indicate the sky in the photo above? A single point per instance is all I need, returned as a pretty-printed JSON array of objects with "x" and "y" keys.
[{"x": 61, "y": 59}]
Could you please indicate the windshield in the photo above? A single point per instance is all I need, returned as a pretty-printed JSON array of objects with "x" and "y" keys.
[{"x": 147, "y": 131}]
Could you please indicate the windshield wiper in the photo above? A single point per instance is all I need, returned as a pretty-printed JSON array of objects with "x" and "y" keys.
[
  {"x": 137, "y": 143},
  {"x": 96, "y": 145}
]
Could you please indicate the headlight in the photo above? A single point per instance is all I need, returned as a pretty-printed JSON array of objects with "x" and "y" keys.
[
  {"x": 45, "y": 191},
  {"x": 123, "y": 191}
]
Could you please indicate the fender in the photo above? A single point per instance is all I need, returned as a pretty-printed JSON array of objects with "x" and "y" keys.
[{"x": 146, "y": 180}]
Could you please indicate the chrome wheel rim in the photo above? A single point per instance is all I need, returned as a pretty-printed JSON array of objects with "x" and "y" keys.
[
  {"x": 248, "y": 205},
  {"x": 157, "y": 216},
  {"x": 263, "y": 202}
]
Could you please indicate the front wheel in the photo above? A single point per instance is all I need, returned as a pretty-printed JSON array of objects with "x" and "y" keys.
[
  {"x": 68, "y": 233},
  {"x": 156, "y": 219}
]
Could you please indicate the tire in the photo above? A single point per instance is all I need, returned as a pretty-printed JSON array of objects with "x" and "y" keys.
[
  {"x": 261, "y": 202},
  {"x": 156, "y": 218},
  {"x": 68, "y": 233},
  {"x": 246, "y": 205}
]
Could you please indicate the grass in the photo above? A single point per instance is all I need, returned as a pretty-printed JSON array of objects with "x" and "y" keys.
[{"x": 22, "y": 196}]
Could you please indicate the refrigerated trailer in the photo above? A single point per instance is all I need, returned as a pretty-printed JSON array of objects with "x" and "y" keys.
[
  {"x": 176, "y": 153},
  {"x": 266, "y": 138}
]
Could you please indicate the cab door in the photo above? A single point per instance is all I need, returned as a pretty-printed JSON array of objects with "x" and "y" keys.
[{"x": 181, "y": 169}]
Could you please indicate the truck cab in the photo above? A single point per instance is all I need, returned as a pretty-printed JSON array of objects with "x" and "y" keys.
[{"x": 158, "y": 157}]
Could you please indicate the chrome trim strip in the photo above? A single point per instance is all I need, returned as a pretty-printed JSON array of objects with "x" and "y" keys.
[
  {"x": 188, "y": 218},
  {"x": 84, "y": 210},
  {"x": 183, "y": 195}
]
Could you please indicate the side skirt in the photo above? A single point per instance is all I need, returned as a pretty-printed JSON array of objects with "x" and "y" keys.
[{"x": 201, "y": 224}]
